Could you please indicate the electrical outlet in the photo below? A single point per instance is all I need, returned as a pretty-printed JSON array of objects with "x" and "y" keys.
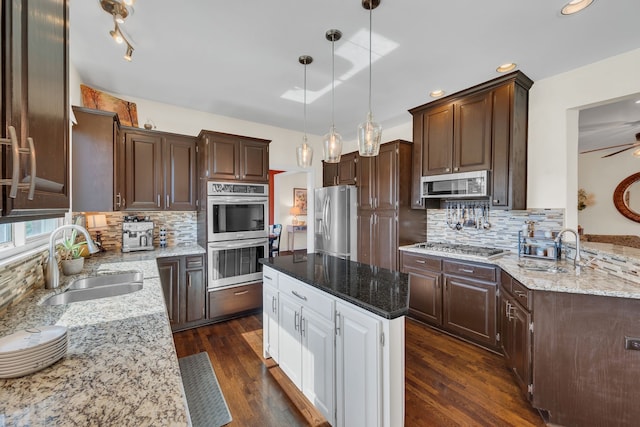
[{"x": 631, "y": 343}]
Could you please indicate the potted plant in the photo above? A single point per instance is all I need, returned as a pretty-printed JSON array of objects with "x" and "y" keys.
[{"x": 70, "y": 254}]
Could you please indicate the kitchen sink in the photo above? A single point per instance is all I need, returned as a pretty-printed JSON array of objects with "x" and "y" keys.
[
  {"x": 542, "y": 267},
  {"x": 91, "y": 293},
  {"x": 106, "y": 280}
]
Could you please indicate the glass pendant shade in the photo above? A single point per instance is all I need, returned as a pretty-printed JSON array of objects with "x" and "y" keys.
[
  {"x": 369, "y": 135},
  {"x": 304, "y": 154},
  {"x": 332, "y": 144}
]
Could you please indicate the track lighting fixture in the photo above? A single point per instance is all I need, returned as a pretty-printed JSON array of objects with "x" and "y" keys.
[{"x": 119, "y": 12}]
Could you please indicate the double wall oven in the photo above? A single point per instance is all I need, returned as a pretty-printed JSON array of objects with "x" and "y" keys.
[{"x": 238, "y": 232}]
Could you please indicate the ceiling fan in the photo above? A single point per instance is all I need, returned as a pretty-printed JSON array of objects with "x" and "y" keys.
[{"x": 628, "y": 146}]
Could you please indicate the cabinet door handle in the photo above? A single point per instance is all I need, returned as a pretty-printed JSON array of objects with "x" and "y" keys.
[
  {"x": 16, "y": 150},
  {"x": 337, "y": 324},
  {"x": 447, "y": 170},
  {"x": 189, "y": 281},
  {"x": 118, "y": 200},
  {"x": 158, "y": 200},
  {"x": 168, "y": 204},
  {"x": 421, "y": 261},
  {"x": 240, "y": 293},
  {"x": 295, "y": 321},
  {"x": 520, "y": 294},
  {"x": 466, "y": 270},
  {"x": 302, "y": 328},
  {"x": 496, "y": 201},
  {"x": 302, "y": 297},
  {"x": 273, "y": 304},
  {"x": 456, "y": 169}
]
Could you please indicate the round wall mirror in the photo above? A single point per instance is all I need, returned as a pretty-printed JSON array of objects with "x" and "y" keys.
[{"x": 626, "y": 197}]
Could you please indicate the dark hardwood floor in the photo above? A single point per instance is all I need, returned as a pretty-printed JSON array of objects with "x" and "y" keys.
[{"x": 448, "y": 382}]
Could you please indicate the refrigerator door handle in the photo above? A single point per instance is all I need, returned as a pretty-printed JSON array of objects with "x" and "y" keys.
[{"x": 328, "y": 225}]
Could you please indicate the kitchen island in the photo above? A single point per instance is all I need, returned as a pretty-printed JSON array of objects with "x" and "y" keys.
[
  {"x": 120, "y": 368},
  {"x": 336, "y": 329}
]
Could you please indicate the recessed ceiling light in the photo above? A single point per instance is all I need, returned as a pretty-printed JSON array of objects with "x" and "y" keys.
[
  {"x": 575, "y": 6},
  {"x": 636, "y": 153},
  {"x": 504, "y": 68},
  {"x": 436, "y": 93}
]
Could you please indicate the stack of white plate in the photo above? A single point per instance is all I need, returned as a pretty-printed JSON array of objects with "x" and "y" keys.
[{"x": 31, "y": 350}]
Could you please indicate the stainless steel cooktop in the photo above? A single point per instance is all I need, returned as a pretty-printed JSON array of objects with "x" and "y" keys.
[{"x": 477, "y": 251}]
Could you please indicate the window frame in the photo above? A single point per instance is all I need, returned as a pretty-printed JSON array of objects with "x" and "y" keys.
[{"x": 21, "y": 244}]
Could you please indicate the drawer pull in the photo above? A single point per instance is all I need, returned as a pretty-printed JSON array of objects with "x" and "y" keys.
[
  {"x": 267, "y": 277},
  {"x": 240, "y": 293},
  {"x": 421, "y": 261},
  {"x": 302, "y": 297},
  {"x": 466, "y": 270},
  {"x": 520, "y": 294}
]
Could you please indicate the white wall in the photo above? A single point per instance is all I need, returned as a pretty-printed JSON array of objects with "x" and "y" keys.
[
  {"x": 602, "y": 217},
  {"x": 283, "y": 201},
  {"x": 554, "y": 104}
]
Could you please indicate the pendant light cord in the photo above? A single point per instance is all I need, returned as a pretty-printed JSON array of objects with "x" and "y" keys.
[
  {"x": 305, "y": 103},
  {"x": 333, "y": 82},
  {"x": 370, "y": 31}
]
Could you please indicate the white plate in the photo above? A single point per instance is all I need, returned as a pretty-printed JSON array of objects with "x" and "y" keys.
[
  {"x": 30, "y": 339},
  {"x": 36, "y": 356},
  {"x": 32, "y": 367},
  {"x": 27, "y": 353}
]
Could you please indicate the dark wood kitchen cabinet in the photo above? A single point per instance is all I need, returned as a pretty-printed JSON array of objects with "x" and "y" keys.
[
  {"x": 516, "y": 331},
  {"x": 159, "y": 171},
  {"x": 342, "y": 173},
  {"x": 235, "y": 158},
  {"x": 458, "y": 297},
  {"x": 184, "y": 286},
  {"x": 480, "y": 128},
  {"x": 95, "y": 139},
  {"x": 35, "y": 102},
  {"x": 384, "y": 186},
  {"x": 233, "y": 302}
]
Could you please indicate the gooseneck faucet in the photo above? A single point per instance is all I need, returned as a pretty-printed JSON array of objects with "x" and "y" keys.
[
  {"x": 576, "y": 259},
  {"x": 53, "y": 274}
]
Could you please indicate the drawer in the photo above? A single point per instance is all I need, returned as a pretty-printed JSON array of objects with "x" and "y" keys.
[
  {"x": 306, "y": 296},
  {"x": 231, "y": 301},
  {"x": 194, "y": 262},
  {"x": 473, "y": 271},
  {"x": 270, "y": 277},
  {"x": 421, "y": 262},
  {"x": 522, "y": 294}
]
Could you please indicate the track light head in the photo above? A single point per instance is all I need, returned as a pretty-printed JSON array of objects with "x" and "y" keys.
[
  {"x": 115, "y": 34},
  {"x": 129, "y": 53}
]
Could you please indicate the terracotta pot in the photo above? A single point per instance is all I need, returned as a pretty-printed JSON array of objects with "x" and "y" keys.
[{"x": 72, "y": 266}]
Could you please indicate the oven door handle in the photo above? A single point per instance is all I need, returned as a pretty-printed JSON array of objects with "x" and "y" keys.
[
  {"x": 238, "y": 244},
  {"x": 234, "y": 199}
]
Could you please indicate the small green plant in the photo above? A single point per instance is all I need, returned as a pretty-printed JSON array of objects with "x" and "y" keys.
[{"x": 69, "y": 249}]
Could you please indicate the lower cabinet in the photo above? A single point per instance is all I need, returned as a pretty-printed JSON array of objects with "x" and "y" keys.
[
  {"x": 347, "y": 361},
  {"x": 516, "y": 322},
  {"x": 459, "y": 297},
  {"x": 184, "y": 286}
]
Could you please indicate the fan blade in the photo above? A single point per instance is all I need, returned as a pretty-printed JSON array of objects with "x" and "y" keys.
[
  {"x": 623, "y": 150},
  {"x": 607, "y": 148}
]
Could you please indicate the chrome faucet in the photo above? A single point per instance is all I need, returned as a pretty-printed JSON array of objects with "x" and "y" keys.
[
  {"x": 53, "y": 274},
  {"x": 576, "y": 259}
]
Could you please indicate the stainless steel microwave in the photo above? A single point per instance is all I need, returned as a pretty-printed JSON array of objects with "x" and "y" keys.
[{"x": 455, "y": 185}]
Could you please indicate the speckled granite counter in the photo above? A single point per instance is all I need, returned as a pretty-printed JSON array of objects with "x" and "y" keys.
[
  {"x": 378, "y": 290},
  {"x": 585, "y": 280},
  {"x": 121, "y": 367}
]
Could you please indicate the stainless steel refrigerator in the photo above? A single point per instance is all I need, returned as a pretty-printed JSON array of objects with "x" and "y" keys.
[{"x": 336, "y": 223}]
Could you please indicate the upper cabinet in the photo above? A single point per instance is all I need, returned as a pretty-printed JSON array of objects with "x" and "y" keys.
[
  {"x": 342, "y": 173},
  {"x": 159, "y": 171},
  {"x": 235, "y": 158},
  {"x": 35, "y": 102},
  {"x": 480, "y": 128}
]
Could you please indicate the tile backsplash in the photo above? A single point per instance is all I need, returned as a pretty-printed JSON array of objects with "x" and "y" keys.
[
  {"x": 19, "y": 277},
  {"x": 503, "y": 233}
]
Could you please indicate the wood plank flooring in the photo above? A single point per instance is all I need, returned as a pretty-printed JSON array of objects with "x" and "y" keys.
[{"x": 448, "y": 382}]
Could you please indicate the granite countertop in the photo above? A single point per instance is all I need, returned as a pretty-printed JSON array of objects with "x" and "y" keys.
[
  {"x": 377, "y": 290},
  {"x": 120, "y": 368},
  {"x": 583, "y": 280}
]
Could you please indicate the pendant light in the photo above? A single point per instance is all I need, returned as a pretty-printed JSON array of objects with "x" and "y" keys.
[
  {"x": 369, "y": 132},
  {"x": 332, "y": 142},
  {"x": 304, "y": 153}
]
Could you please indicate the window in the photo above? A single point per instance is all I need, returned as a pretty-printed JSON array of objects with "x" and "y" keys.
[{"x": 23, "y": 236}]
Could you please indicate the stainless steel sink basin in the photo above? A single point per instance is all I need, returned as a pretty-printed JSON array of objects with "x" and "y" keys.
[
  {"x": 107, "y": 279},
  {"x": 542, "y": 267},
  {"x": 103, "y": 291}
]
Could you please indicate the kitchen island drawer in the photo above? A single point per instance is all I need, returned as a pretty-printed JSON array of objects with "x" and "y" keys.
[
  {"x": 475, "y": 271},
  {"x": 232, "y": 301}
]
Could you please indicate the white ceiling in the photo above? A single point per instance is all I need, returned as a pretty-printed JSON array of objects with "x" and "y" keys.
[{"x": 237, "y": 58}]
